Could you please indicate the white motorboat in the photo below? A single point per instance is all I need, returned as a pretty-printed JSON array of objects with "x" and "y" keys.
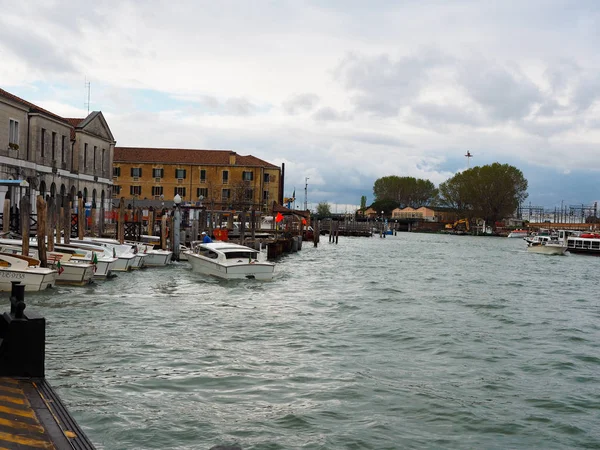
[
  {"x": 228, "y": 261},
  {"x": 126, "y": 258},
  {"x": 71, "y": 272},
  {"x": 546, "y": 246},
  {"x": 25, "y": 270},
  {"x": 157, "y": 257},
  {"x": 518, "y": 234}
]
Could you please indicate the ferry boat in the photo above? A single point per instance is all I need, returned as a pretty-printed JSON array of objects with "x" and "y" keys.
[{"x": 585, "y": 243}]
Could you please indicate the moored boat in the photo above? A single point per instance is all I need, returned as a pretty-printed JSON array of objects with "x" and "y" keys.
[
  {"x": 228, "y": 261},
  {"x": 518, "y": 233},
  {"x": 26, "y": 271}
]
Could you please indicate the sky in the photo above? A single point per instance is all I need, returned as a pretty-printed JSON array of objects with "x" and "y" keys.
[{"x": 341, "y": 91}]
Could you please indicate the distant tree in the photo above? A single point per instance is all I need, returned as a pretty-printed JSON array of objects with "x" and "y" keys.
[
  {"x": 323, "y": 209},
  {"x": 387, "y": 206},
  {"x": 491, "y": 192},
  {"x": 363, "y": 202},
  {"x": 405, "y": 191}
]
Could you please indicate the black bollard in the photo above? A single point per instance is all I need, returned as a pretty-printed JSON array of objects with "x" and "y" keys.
[
  {"x": 17, "y": 300},
  {"x": 22, "y": 339}
]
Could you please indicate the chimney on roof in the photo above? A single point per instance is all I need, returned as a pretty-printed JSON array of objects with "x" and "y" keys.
[{"x": 232, "y": 158}]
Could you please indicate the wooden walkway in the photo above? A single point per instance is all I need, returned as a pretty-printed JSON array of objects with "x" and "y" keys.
[{"x": 32, "y": 416}]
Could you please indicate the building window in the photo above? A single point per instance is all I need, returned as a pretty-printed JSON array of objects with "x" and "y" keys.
[
  {"x": 63, "y": 148},
  {"x": 43, "y": 141},
  {"x": 202, "y": 176},
  {"x": 202, "y": 192},
  {"x": 247, "y": 176},
  {"x": 84, "y": 155},
  {"x": 94, "y": 163},
  {"x": 225, "y": 176},
  {"x": 136, "y": 172},
  {"x": 102, "y": 161},
  {"x": 265, "y": 196},
  {"x": 157, "y": 190},
  {"x": 266, "y": 178},
  {"x": 135, "y": 190},
  {"x": 53, "y": 145},
  {"x": 249, "y": 194},
  {"x": 116, "y": 171},
  {"x": 116, "y": 190},
  {"x": 179, "y": 173},
  {"x": 225, "y": 194},
  {"x": 158, "y": 173},
  {"x": 180, "y": 191},
  {"x": 13, "y": 132}
]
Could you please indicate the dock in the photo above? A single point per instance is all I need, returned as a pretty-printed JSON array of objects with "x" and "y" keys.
[{"x": 32, "y": 415}]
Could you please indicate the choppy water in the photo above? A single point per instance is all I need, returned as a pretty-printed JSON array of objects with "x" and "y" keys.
[{"x": 413, "y": 341}]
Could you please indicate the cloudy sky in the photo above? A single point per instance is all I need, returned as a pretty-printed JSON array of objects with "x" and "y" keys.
[{"x": 341, "y": 91}]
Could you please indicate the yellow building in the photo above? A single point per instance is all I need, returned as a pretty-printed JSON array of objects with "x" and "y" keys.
[{"x": 220, "y": 178}]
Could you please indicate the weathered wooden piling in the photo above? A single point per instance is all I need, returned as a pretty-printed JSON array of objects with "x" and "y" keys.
[
  {"x": 41, "y": 231},
  {"x": 121, "y": 222},
  {"x": 25, "y": 217},
  {"x": 80, "y": 217},
  {"x": 93, "y": 217},
  {"x": 67, "y": 219},
  {"x": 163, "y": 232},
  {"x": 6, "y": 216},
  {"x": 150, "y": 230},
  {"x": 50, "y": 205}
]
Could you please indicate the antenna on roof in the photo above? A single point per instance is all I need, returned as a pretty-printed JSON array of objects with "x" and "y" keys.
[
  {"x": 469, "y": 156},
  {"x": 88, "y": 86}
]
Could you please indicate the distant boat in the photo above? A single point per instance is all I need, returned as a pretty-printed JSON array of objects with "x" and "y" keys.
[
  {"x": 518, "y": 234},
  {"x": 546, "y": 245}
]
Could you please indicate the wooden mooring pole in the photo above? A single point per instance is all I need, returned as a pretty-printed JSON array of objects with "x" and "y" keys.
[
  {"x": 50, "y": 206},
  {"x": 67, "y": 205},
  {"x": 41, "y": 230},
  {"x": 25, "y": 218},
  {"x": 80, "y": 217},
  {"x": 6, "y": 216}
]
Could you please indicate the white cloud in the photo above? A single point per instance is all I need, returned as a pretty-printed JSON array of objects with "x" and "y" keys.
[{"x": 342, "y": 91}]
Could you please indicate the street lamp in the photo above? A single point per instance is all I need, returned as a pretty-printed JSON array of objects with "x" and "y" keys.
[{"x": 176, "y": 226}]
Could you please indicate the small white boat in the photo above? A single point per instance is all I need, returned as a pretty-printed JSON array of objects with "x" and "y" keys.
[
  {"x": 518, "y": 234},
  {"x": 546, "y": 246},
  {"x": 69, "y": 271},
  {"x": 228, "y": 261},
  {"x": 25, "y": 270}
]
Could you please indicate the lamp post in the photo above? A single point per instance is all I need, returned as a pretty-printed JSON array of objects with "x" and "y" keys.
[
  {"x": 176, "y": 225},
  {"x": 306, "y": 193}
]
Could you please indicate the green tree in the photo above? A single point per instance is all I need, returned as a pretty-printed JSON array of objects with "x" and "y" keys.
[
  {"x": 363, "y": 202},
  {"x": 387, "y": 206},
  {"x": 491, "y": 192},
  {"x": 323, "y": 209},
  {"x": 405, "y": 191}
]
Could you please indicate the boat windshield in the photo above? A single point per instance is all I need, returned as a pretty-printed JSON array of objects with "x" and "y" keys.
[{"x": 241, "y": 254}]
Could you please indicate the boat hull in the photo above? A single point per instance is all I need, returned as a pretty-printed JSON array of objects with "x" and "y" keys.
[
  {"x": 158, "y": 258},
  {"x": 33, "y": 280},
  {"x": 548, "y": 249},
  {"x": 236, "y": 271},
  {"x": 74, "y": 274}
]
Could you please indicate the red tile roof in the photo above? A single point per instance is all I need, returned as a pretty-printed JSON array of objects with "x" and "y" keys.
[
  {"x": 74, "y": 123},
  {"x": 31, "y": 106},
  {"x": 186, "y": 156}
]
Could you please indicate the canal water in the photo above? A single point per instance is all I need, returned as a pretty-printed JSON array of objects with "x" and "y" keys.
[{"x": 412, "y": 341}]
